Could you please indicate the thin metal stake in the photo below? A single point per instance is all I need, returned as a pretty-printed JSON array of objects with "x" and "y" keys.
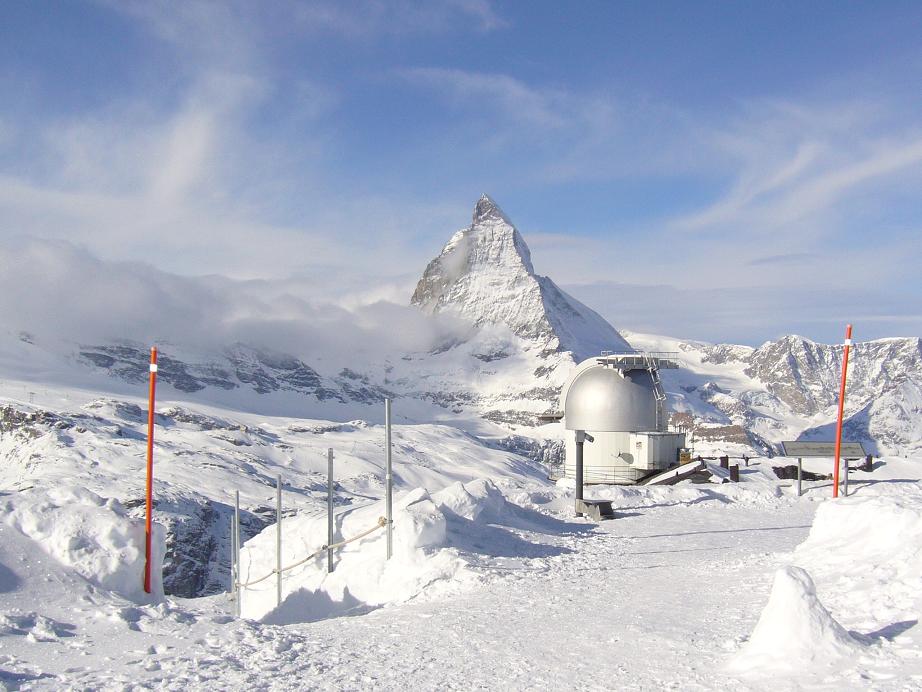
[
  {"x": 388, "y": 479},
  {"x": 800, "y": 473},
  {"x": 845, "y": 479},
  {"x": 233, "y": 562},
  {"x": 278, "y": 540},
  {"x": 329, "y": 509},
  {"x": 237, "y": 547}
]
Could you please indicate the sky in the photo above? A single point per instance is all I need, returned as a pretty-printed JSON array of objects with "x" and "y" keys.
[{"x": 720, "y": 171}]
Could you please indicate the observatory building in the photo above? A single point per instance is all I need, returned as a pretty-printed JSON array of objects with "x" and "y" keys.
[{"x": 614, "y": 408}]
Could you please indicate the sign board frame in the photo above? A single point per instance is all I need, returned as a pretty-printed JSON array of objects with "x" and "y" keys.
[{"x": 812, "y": 449}]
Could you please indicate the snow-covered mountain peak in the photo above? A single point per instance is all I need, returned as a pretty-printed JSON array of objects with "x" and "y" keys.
[
  {"x": 488, "y": 210},
  {"x": 485, "y": 275}
]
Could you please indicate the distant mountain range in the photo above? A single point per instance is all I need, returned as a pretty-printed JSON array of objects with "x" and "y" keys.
[{"x": 524, "y": 337}]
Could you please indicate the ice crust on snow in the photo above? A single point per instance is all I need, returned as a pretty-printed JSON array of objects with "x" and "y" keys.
[{"x": 794, "y": 632}]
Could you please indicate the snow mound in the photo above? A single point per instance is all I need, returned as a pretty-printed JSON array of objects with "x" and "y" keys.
[
  {"x": 92, "y": 535},
  {"x": 864, "y": 550},
  {"x": 435, "y": 536},
  {"x": 479, "y": 500},
  {"x": 874, "y": 529},
  {"x": 362, "y": 577},
  {"x": 794, "y": 631}
]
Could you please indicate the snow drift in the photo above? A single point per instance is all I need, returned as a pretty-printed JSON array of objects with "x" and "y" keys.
[
  {"x": 426, "y": 558},
  {"x": 864, "y": 553},
  {"x": 92, "y": 535}
]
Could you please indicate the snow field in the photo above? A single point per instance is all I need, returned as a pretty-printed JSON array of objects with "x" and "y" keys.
[
  {"x": 493, "y": 583},
  {"x": 361, "y": 577},
  {"x": 662, "y": 597}
]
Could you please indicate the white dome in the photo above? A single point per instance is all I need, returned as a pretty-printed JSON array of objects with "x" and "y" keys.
[{"x": 604, "y": 399}]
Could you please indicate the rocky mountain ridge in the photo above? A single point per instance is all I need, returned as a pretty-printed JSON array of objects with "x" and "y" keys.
[{"x": 788, "y": 389}]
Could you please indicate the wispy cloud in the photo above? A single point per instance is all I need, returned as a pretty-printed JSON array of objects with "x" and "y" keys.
[
  {"x": 789, "y": 258},
  {"x": 797, "y": 169},
  {"x": 368, "y": 18},
  {"x": 181, "y": 179},
  {"x": 510, "y": 97}
]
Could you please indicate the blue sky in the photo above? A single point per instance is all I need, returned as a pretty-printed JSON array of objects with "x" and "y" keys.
[{"x": 720, "y": 171}]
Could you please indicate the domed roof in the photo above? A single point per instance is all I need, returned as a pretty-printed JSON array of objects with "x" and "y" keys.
[{"x": 605, "y": 399}]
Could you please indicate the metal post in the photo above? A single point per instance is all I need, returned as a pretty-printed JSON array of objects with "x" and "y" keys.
[
  {"x": 848, "y": 344},
  {"x": 329, "y": 509},
  {"x": 800, "y": 477},
  {"x": 233, "y": 555},
  {"x": 237, "y": 547},
  {"x": 580, "y": 441},
  {"x": 388, "y": 479},
  {"x": 845, "y": 484},
  {"x": 278, "y": 540}
]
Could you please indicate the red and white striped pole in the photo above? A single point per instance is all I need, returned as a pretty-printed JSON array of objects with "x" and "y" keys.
[
  {"x": 150, "y": 468},
  {"x": 835, "y": 472}
]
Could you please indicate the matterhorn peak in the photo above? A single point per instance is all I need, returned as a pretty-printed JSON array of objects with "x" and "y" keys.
[
  {"x": 488, "y": 210},
  {"x": 484, "y": 274}
]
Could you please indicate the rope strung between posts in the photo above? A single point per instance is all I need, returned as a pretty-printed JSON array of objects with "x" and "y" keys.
[{"x": 382, "y": 522}]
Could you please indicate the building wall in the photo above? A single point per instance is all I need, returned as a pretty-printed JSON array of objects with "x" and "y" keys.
[{"x": 622, "y": 457}]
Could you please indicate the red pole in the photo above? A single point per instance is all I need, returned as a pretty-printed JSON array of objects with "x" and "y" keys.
[
  {"x": 150, "y": 467},
  {"x": 835, "y": 472}
]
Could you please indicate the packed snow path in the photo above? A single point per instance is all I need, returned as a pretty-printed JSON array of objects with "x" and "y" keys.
[{"x": 656, "y": 598}]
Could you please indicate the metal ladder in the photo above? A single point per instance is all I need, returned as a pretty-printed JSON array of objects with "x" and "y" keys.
[{"x": 658, "y": 392}]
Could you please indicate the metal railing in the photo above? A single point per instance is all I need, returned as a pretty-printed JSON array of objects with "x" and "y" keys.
[{"x": 610, "y": 475}]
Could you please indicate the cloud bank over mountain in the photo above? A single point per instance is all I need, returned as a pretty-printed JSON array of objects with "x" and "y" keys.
[{"x": 58, "y": 291}]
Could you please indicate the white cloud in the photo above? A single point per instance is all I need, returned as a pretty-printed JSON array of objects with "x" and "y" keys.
[
  {"x": 370, "y": 18},
  {"x": 57, "y": 291}
]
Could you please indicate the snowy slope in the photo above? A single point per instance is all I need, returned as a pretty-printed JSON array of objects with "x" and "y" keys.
[
  {"x": 674, "y": 586},
  {"x": 204, "y": 455}
]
